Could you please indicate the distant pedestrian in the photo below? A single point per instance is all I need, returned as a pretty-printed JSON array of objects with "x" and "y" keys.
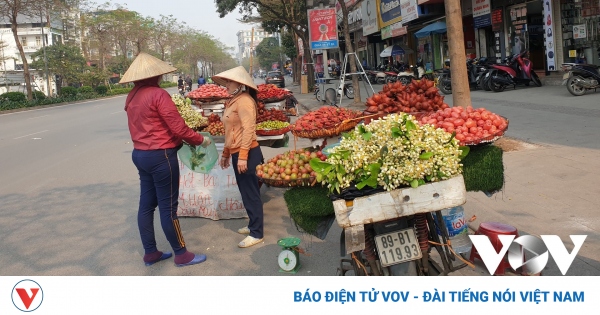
[{"x": 201, "y": 81}]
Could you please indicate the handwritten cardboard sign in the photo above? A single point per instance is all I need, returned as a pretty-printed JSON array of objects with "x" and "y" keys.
[{"x": 214, "y": 195}]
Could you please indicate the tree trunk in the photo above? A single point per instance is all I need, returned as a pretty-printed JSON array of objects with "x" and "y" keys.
[
  {"x": 350, "y": 49},
  {"x": 310, "y": 68},
  {"x": 26, "y": 76},
  {"x": 461, "y": 93}
]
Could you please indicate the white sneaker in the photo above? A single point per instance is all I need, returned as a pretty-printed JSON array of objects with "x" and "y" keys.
[
  {"x": 245, "y": 230},
  {"x": 249, "y": 241}
]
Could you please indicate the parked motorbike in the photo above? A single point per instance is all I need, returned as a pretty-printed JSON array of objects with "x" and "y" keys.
[
  {"x": 474, "y": 74},
  {"x": 409, "y": 73},
  {"x": 581, "y": 78},
  {"x": 484, "y": 79},
  {"x": 378, "y": 75},
  {"x": 518, "y": 71}
]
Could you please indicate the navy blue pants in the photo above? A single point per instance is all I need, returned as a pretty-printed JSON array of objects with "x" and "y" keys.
[
  {"x": 159, "y": 186},
  {"x": 248, "y": 185}
]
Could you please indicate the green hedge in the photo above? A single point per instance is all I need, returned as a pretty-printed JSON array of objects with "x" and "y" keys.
[
  {"x": 68, "y": 91},
  {"x": 167, "y": 84},
  {"x": 101, "y": 89},
  {"x": 19, "y": 100},
  {"x": 13, "y": 97},
  {"x": 86, "y": 90}
]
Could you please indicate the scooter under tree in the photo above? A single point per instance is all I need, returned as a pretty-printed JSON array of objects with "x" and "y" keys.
[{"x": 518, "y": 71}]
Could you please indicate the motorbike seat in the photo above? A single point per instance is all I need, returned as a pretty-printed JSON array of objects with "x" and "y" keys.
[{"x": 588, "y": 65}]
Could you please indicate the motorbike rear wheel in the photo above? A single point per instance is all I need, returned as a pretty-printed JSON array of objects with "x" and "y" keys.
[
  {"x": 495, "y": 86},
  {"x": 573, "y": 86},
  {"x": 349, "y": 92},
  {"x": 536, "y": 80},
  {"x": 405, "y": 80},
  {"x": 445, "y": 85},
  {"x": 380, "y": 80}
]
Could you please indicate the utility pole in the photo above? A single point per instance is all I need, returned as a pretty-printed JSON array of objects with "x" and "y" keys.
[
  {"x": 251, "y": 49},
  {"x": 461, "y": 94}
]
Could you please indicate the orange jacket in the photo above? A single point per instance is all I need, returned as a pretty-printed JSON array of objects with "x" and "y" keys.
[{"x": 239, "y": 120}]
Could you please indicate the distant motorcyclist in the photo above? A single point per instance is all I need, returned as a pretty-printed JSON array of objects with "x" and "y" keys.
[
  {"x": 180, "y": 82},
  {"x": 188, "y": 81}
]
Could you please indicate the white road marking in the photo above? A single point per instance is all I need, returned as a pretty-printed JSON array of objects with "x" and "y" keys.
[
  {"x": 38, "y": 117},
  {"x": 117, "y": 112},
  {"x": 31, "y": 134}
]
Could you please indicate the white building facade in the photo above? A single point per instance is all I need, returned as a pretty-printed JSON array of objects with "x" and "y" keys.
[
  {"x": 32, "y": 33},
  {"x": 246, "y": 44}
]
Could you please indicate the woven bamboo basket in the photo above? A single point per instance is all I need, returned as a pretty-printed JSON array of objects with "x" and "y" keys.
[
  {"x": 274, "y": 132},
  {"x": 311, "y": 181}
]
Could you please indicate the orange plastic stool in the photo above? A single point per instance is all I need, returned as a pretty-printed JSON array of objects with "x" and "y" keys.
[{"x": 492, "y": 230}]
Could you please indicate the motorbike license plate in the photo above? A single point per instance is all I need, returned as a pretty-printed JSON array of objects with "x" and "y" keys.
[
  {"x": 398, "y": 247},
  {"x": 565, "y": 76}
]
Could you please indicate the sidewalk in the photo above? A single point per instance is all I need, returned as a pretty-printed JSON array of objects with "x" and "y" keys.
[{"x": 551, "y": 170}]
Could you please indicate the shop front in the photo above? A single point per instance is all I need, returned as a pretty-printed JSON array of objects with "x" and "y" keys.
[
  {"x": 581, "y": 31},
  {"x": 523, "y": 30}
]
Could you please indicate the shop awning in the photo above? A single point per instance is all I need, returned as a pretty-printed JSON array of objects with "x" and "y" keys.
[
  {"x": 438, "y": 27},
  {"x": 395, "y": 50}
]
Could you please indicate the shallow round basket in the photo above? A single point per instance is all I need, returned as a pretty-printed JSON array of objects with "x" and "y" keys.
[
  {"x": 208, "y": 99},
  {"x": 274, "y": 132},
  {"x": 316, "y": 134},
  {"x": 281, "y": 183},
  {"x": 273, "y": 99}
]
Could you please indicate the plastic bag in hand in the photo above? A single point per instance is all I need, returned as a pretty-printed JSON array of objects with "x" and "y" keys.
[{"x": 201, "y": 160}]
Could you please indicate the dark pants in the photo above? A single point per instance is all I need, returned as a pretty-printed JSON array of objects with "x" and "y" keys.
[
  {"x": 159, "y": 186},
  {"x": 248, "y": 185}
]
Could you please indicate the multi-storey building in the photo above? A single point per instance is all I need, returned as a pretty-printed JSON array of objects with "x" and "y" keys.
[
  {"x": 32, "y": 32},
  {"x": 246, "y": 42}
]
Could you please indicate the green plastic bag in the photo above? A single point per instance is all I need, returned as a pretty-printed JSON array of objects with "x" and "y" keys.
[{"x": 199, "y": 159}]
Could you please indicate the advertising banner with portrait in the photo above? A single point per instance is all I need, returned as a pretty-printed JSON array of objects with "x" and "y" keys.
[{"x": 322, "y": 25}]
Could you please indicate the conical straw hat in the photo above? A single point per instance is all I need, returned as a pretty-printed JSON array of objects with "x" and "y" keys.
[
  {"x": 237, "y": 74},
  {"x": 146, "y": 66}
]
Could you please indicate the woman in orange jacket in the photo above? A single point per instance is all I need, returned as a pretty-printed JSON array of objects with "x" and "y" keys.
[{"x": 241, "y": 146}]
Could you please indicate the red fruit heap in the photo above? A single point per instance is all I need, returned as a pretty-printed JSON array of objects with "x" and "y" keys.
[
  {"x": 471, "y": 125},
  {"x": 291, "y": 165},
  {"x": 269, "y": 114},
  {"x": 270, "y": 91},
  {"x": 418, "y": 96},
  {"x": 213, "y": 118},
  {"x": 208, "y": 91},
  {"x": 325, "y": 117},
  {"x": 215, "y": 128}
]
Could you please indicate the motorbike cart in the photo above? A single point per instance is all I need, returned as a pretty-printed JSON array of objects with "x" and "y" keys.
[{"x": 394, "y": 233}]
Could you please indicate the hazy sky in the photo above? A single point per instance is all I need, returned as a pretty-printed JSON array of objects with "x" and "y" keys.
[{"x": 199, "y": 14}]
